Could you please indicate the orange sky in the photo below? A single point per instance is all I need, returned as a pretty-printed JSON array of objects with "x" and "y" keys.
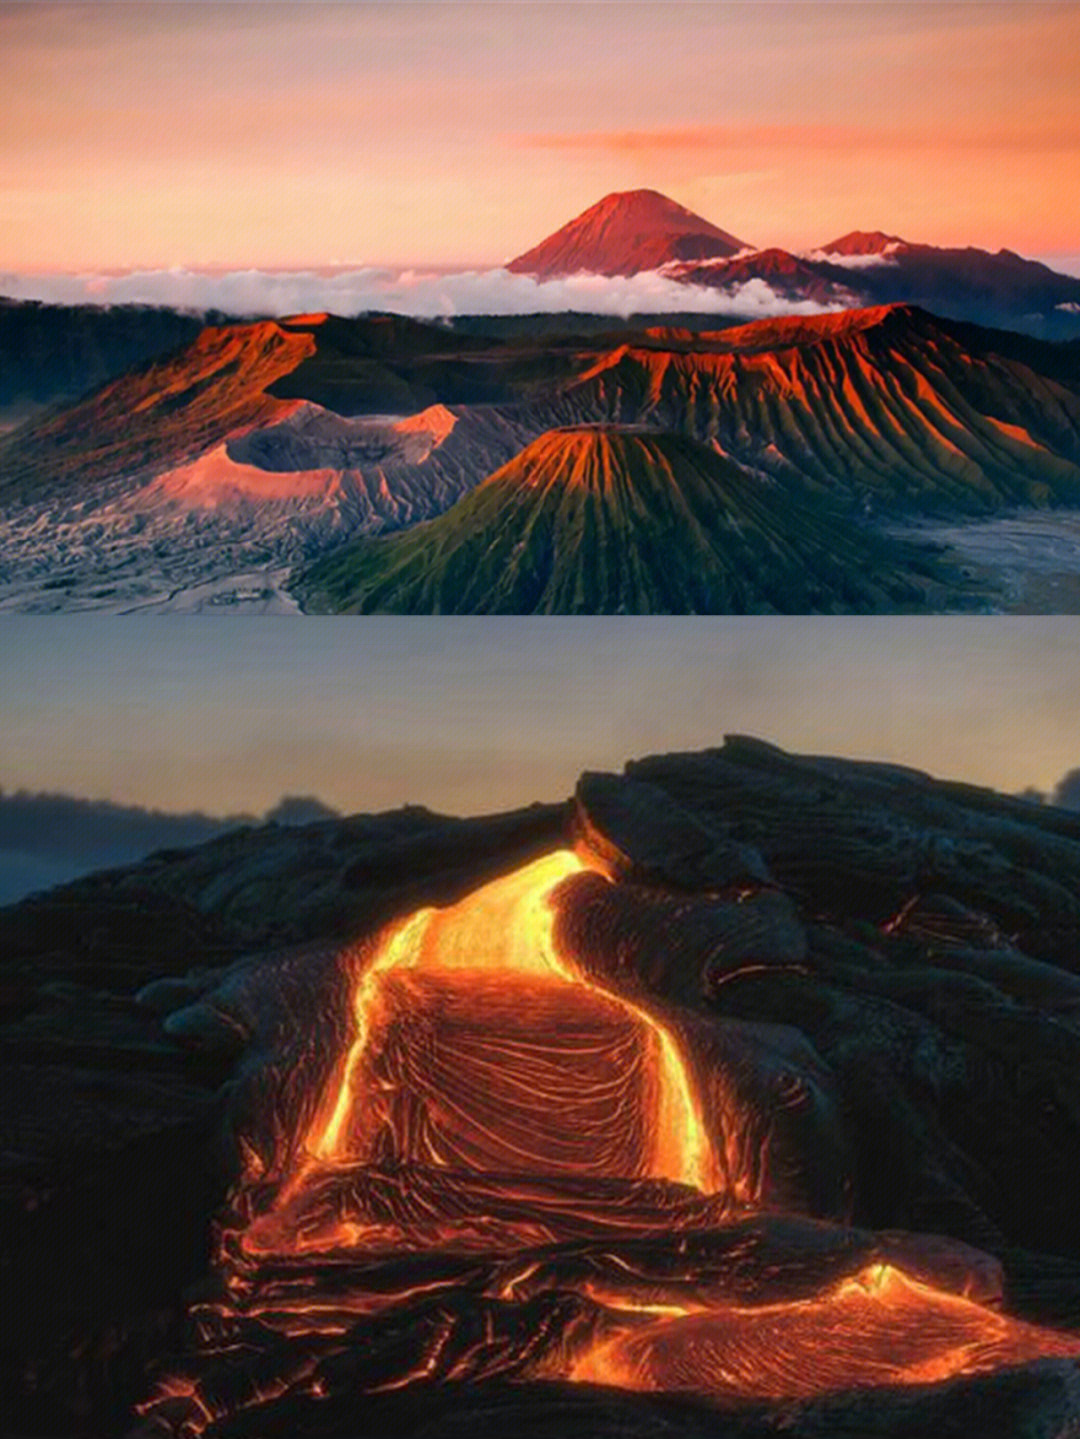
[
  {"x": 227, "y": 713},
  {"x": 198, "y": 134}
]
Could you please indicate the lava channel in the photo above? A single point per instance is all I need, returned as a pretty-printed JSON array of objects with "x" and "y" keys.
[{"x": 512, "y": 1173}]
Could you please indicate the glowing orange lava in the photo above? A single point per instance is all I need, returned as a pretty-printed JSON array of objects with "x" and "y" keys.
[
  {"x": 478, "y": 1046},
  {"x": 512, "y": 1173},
  {"x": 880, "y": 1327}
]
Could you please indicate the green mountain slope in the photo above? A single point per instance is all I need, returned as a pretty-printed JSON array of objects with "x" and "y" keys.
[{"x": 599, "y": 520}]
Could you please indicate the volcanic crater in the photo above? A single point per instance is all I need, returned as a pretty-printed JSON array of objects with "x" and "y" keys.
[{"x": 389, "y": 465}]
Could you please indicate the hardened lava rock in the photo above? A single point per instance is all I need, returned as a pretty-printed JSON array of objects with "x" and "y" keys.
[{"x": 859, "y": 983}]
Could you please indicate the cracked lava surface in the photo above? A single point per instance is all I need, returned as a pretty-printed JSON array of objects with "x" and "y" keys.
[{"x": 511, "y": 1165}]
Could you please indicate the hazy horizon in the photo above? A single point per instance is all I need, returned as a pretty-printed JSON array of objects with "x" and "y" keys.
[
  {"x": 419, "y": 291},
  {"x": 180, "y": 134},
  {"x": 474, "y": 715}
]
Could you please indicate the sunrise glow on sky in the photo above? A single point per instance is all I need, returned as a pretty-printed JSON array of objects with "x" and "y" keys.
[{"x": 296, "y": 135}]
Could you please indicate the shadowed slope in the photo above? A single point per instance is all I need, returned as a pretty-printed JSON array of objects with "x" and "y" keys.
[
  {"x": 889, "y": 407},
  {"x": 985, "y": 286},
  {"x": 593, "y": 520},
  {"x": 51, "y": 353}
]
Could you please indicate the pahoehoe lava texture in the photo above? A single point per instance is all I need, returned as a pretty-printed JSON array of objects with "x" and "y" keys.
[{"x": 739, "y": 1082}]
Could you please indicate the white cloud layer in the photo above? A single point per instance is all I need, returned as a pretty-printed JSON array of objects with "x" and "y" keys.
[
  {"x": 876, "y": 261},
  {"x": 408, "y": 292}
]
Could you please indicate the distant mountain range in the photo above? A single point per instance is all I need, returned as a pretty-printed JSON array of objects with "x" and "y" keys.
[
  {"x": 47, "y": 839},
  {"x": 634, "y": 465},
  {"x": 640, "y": 230},
  {"x": 215, "y": 475}
]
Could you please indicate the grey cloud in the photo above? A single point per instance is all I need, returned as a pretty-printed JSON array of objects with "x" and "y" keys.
[{"x": 47, "y": 839}]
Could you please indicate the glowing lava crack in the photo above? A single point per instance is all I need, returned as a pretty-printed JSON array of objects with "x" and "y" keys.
[{"x": 515, "y": 1171}]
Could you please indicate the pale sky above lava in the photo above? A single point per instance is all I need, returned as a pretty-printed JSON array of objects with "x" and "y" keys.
[
  {"x": 296, "y": 135},
  {"x": 471, "y": 715}
]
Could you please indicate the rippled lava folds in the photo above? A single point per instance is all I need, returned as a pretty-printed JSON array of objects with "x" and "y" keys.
[{"x": 514, "y": 1170}]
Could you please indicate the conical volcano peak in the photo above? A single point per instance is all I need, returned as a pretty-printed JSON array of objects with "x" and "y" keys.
[
  {"x": 604, "y": 519},
  {"x": 647, "y": 204},
  {"x": 863, "y": 242},
  {"x": 625, "y": 232},
  {"x": 595, "y": 457}
]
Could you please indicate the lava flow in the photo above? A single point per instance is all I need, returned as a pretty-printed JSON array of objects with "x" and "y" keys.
[
  {"x": 478, "y": 1047},
  {"x": 515, "y": 1170},
  {"x": 482, "y": 1059}
]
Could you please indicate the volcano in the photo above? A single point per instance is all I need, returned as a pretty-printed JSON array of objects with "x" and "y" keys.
[
  {"x": 890, "y": 406},
  {"x": 600, "y": 520},
  {"x": 226, "y": 470},
  {"x": 624, "y": 233},
  {"x": 642, "y": 230}
]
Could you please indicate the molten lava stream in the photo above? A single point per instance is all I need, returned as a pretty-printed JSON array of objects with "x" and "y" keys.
[
  {"x": 494, "y": 1102},
  {"x": 478, "y": 1047},
  {"x": 879, "y": 1327}
]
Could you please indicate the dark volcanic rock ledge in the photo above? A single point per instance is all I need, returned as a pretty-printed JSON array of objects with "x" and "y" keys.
[
  {"x": 116, "y": 1148},
  {"x": 890, "y": 963},
  {"x": 924, "y": 937}
]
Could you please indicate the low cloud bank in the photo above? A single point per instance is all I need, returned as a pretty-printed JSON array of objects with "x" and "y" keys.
[
  {"x": 880, "y": 260},
  {"x": 47, "y": 839},
  {"x": 422, "y": 294}
]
